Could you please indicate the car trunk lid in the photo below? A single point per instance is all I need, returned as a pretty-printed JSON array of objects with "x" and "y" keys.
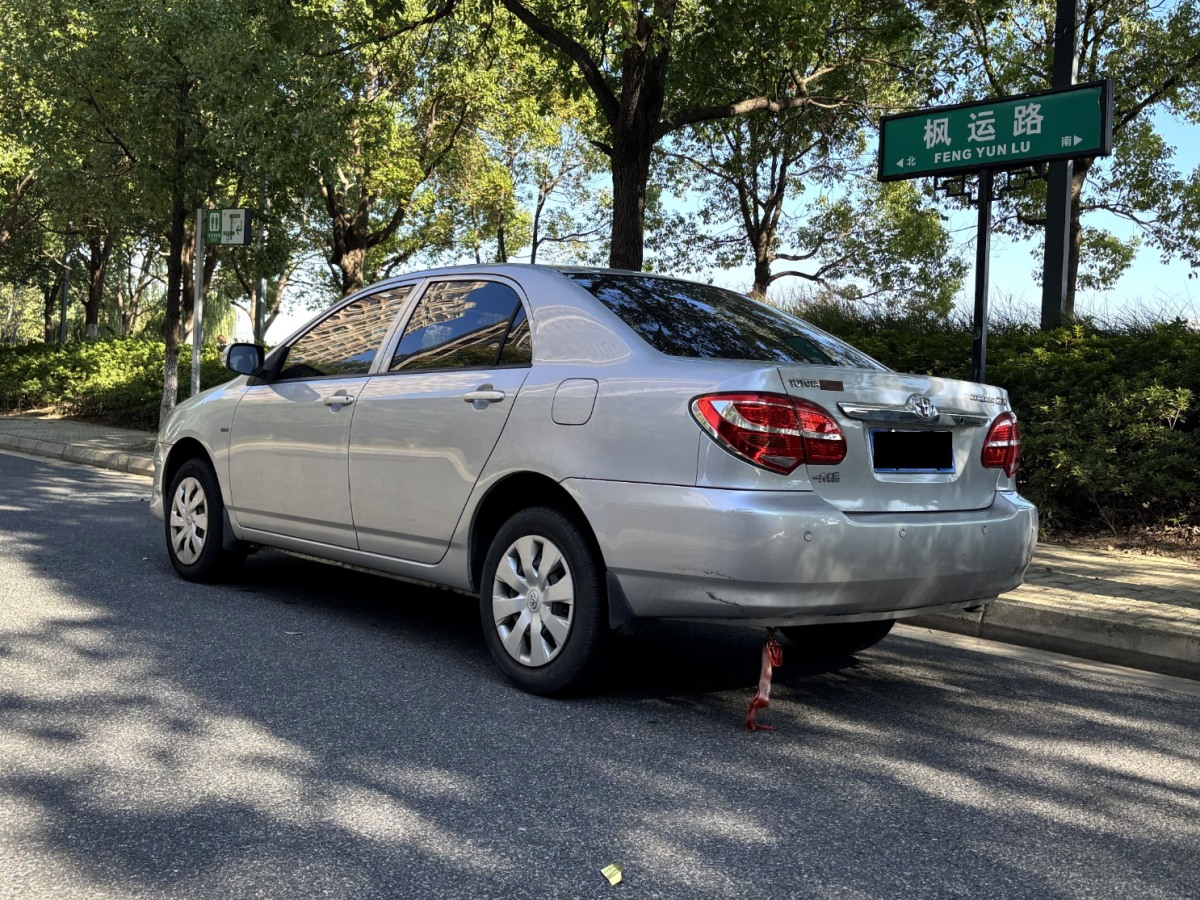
[{"x": 913, "y": 442}]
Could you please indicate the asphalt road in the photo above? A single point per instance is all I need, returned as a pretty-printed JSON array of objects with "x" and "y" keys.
[{"x": 310, "y": 732}]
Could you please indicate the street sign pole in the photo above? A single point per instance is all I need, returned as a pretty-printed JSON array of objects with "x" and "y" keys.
[
  {"x": 1057, "y": 259},
  {"x": 260, "y": 307},
  {"x": 66, "y": 285},
  {"x": 198, "y": 305},
  {"x": 983, "y": 253}
]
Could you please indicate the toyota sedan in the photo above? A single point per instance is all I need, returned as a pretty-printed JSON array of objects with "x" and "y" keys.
[{"x": 583, "y": 449}]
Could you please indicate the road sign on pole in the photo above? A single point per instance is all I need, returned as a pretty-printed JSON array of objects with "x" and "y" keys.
[
  {"x": 224, "y": 227},
  {"x": 228, "y": 227},
  {"x": 998, "y": 134}
]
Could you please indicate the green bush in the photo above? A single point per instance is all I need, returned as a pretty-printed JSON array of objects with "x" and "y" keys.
[
  {"x": 1109, "y": 417},
  {"x": 115, "y": 382}
]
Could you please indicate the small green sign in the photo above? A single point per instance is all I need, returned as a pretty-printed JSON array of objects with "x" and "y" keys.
[
  {"x": 998, "y": 134},
  {"x": 228, "y": 227}
]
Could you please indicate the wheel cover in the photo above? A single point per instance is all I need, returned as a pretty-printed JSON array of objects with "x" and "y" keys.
[
  {"x": 533, "y": 600},
  {"x": 189, "y": 521}
]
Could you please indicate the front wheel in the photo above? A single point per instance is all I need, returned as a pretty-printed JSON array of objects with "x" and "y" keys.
[
  {"x": 838, "y": 639},
  {"x": 541, "y": 600},
  {"x": 195, "y": 525}
]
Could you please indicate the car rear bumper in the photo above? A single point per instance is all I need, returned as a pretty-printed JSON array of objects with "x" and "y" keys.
[{"x": 772, "y": 558}]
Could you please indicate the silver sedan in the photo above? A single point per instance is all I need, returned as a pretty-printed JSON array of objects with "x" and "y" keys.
[{"x": 587, "y": 448}]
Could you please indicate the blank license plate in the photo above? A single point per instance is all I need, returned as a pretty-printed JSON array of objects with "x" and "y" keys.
[{"x": 912, "y": 451}]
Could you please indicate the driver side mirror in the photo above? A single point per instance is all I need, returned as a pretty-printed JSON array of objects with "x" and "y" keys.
[{"x": 245, "y": 359}]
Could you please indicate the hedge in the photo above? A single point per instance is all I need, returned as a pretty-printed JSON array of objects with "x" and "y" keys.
[
  {"x": 1109, "y": 423},
  {"x": 1109, "y": 418},
  {"x": 116, "y": 382}
]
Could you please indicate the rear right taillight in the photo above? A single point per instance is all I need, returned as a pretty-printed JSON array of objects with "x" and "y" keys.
[
  {"x": 773, "y": 431},
  {"x": 1002, "y": 447}
]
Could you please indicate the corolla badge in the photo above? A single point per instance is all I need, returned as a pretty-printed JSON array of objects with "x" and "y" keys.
[{"x": 923, "y": 407}]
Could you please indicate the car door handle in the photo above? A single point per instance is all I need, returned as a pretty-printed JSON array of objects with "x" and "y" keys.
[
  {"x": 338, "y": 400},
  {"x": 487, "y": 396}
]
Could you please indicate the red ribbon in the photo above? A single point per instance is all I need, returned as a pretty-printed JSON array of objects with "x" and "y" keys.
[{"x": 772, "y": 655}]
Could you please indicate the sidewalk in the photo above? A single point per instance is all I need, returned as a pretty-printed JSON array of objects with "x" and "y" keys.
[{"x": 1132, "y": 610}]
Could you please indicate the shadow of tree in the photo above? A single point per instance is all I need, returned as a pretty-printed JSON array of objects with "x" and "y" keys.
[{"x": 308, "y": 731}]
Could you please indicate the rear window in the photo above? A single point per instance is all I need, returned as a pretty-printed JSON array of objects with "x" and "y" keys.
[{"x": 683, "y": 318}]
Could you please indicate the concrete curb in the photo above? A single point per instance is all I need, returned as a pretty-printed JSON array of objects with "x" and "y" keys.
[
  {"x": 116, "y": 460},
  {"x": 1136, "y": 642}
]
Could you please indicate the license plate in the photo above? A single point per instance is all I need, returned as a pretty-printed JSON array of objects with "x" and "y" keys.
[{"x": 896, "y": 451}]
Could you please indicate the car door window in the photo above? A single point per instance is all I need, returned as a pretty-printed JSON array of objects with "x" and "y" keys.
[
  {"x": 464, "y": 324},
  {"x": 345, "y": 342}
]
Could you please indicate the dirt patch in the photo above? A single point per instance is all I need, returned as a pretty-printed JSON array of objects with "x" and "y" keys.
[{"x": 1173, "y": 541}]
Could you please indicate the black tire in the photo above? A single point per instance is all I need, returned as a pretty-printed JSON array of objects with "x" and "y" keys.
[
  {"x": 195, "y": 525},
  {"x": 549, "y": 644},
  {"x": 839, "y": 639}
]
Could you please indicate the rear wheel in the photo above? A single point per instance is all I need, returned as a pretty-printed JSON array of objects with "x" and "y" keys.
[
  {"x": 542, "y": 602},
  {"x": 195, "y": 525},
  {"x": 838, "y": 639}
]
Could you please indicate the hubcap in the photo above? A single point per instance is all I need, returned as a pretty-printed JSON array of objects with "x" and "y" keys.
[
  {"x": 533, "y": 600},
  {"x": 189, "y": 521}
]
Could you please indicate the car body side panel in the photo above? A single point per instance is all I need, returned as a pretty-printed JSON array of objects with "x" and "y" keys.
[
  {"x": 289, "y": 460},
  {"x": 416, "y": 450},
  {"x": 205, "y": 418}
]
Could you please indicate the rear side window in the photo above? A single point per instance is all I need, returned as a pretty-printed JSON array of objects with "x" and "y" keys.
[
  {"x": 682, "y": 318},
  {"x": 464, "y": 324}
]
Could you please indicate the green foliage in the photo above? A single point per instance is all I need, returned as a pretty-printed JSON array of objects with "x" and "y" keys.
[
  {"x": 1110, "y": 419},
  {"x": 113, "y": 382}
]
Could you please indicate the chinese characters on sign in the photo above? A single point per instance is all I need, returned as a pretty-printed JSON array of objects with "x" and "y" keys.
[
  {"x": 981, "y": 132},
  {"x": 1005, "y": 133}
]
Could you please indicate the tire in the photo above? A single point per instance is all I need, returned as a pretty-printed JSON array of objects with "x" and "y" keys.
[
  {"x": 542, "y": 602},
  {"x": 839, "y": 639},
  {"x": 195, "y": 525}
]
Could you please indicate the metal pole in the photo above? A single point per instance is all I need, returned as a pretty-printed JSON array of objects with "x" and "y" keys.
[
  {"x": 983, "y": 252},
  {"x": 198, "y": 304},
  {"x": 66, "y": 284},
  {"x": 260, "y": 308},
  {"x": 1055, "y": 271}
]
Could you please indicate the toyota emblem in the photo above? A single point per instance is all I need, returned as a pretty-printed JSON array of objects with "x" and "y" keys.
[{"x": 923, "y": 407}]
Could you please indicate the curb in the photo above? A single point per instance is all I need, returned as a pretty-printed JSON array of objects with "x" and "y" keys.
[
  {"x": 116, "y": 460},
  {"x": 1136, "y": 642}
]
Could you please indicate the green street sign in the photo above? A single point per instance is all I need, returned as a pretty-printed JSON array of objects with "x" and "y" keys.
[
  {"x": 1011, "y": 132},
  {"x": 228, "y": 227}
]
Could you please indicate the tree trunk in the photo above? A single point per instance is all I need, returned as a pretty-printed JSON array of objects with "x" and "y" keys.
[
  {"x": 176, "y": 240},
  {"x": 49, "y": 309},
  {"x": 762, "y": 274},
  {"x": 99, "y": 252},
  {"x": 1074, "y": 249},
  {"x": 353, "y": 264},
  {"x": 630, "y": 174},
  {"x": 643, "y": 91}
]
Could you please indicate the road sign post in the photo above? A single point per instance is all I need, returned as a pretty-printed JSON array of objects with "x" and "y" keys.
[{"x": 222, "y": 227}]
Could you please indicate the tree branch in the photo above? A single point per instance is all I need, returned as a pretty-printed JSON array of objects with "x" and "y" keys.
[
  {"x": 439, "y": 12},
  {"x": 576, "y": 52}
]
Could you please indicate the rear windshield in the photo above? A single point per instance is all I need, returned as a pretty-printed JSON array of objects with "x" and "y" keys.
[{"x": 683, "y": 318}]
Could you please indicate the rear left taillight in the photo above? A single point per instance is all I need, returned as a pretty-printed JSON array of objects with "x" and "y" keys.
[
  {"x": 1002, "y": 447},
  {"x": 773, "y": 431}
]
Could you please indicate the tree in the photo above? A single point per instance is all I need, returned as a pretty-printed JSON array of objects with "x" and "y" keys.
[
  {"x": 369, "y": 101},
  {"x": 1152, "y": 53},
  {"x": 655, "y": 67}
]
